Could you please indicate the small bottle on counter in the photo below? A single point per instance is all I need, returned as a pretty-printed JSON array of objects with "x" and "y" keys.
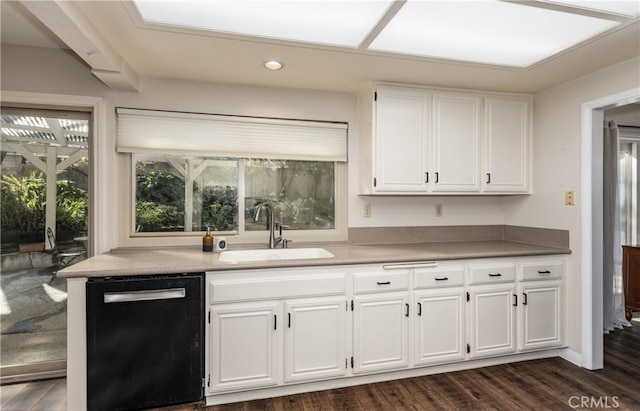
[{"x": 207, "y": 241}]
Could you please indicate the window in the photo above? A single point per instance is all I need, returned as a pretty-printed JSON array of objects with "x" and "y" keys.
[
  {"x": 302, "y": 192},
  {"x": 628, "y": 193},
  {"x": 45, "y": 187},
  {"x": 185, "y": 194},
  {"x": 177, "y": 192}
]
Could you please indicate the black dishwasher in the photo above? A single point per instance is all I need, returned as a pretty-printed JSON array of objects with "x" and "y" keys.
[{"x": 145, "y": 341}]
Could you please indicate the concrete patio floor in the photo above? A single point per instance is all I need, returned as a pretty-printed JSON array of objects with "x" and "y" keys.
[{"x": 33, "y": 317}]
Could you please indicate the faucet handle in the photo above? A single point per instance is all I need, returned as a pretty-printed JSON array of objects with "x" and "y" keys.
[{"x": 285, "y": 243}]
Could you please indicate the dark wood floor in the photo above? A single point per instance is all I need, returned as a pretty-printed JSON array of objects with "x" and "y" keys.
[{"x": 549, "y": 384}]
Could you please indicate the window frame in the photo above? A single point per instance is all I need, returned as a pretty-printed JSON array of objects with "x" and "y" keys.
[
  {"x": 127, "y": 237},
  {"x": 631, "y": 138}
]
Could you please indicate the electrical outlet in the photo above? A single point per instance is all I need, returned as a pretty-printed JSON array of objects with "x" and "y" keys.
[
  {"x": 367, "y": 210},
  {"x": 569, "y": 198},
  {"x": 438, "y": 210}
]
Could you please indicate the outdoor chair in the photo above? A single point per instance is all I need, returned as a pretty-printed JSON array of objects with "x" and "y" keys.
[{"x": 61, "y": 259}]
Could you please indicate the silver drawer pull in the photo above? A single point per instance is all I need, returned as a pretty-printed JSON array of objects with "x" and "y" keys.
[
  {"x": 442, "y": 278},
  {"x": 383, "y": 282},
  {"x": 544, "y": 272},
  {"x": 146, "y": 295},
  {"x": 409, "y": 265}
]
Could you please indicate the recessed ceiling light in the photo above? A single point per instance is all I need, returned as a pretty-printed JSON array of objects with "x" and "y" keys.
[{"x": 273, "y": 65}]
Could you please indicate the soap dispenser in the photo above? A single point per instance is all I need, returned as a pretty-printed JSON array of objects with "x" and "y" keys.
[{"x": 207, "y": 241}]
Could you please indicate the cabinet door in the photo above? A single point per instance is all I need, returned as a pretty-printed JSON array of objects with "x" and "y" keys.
[
  {"x": 380, "y": 332},
  {"x": 541, "y": 324},
  {"x": 401, "y": 127},
  {"x": 506, "y": 133},
  {"x": 492, "y": 314},
  {"x": 314, "y": 341},
  {"x": 456, "y": 142},
  {"x": 244, "y": 346},
  {"x": 439, "y": 322}
]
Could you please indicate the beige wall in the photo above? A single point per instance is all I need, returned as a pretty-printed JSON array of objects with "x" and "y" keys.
[
  {"x": 557, "y": 168},
  {"x": 54, "y": 71},
  {"x": 556, "y": 155}
]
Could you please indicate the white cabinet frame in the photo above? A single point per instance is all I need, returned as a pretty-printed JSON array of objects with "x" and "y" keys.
[{"x": 315, "y": 338}]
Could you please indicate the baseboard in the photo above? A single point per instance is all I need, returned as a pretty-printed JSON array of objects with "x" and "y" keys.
[
  {"x": 571, "y": 356},
  {"x": 40, "y": 371},
  {"x": 351, "y": 380}
]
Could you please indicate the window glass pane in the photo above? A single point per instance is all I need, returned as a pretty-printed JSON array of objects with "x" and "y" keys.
[
  {"x": 301, "y": 192},
  {"x": 186, "y": 194},
  {"x": 216, "y": 196},
  {"x": 44, "y": 185}
]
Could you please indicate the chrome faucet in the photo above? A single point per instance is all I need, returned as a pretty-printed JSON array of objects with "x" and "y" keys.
[{"x": 273, "y": 240}]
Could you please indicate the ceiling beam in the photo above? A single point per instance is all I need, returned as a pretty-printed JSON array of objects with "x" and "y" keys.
[
  {"x": 393, "y": 9},
  {"x": 67, "y": 21}
]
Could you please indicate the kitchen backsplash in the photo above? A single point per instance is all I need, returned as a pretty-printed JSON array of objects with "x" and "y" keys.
[{"x": 432, "y": 234}]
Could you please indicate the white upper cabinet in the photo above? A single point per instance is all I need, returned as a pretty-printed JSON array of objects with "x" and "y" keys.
[
  {"x": 415, "y": 140},
  {"x": 506, "y": 133},
  {"x": 456, "y": 141},
  {"x": 402, "y": 121}
]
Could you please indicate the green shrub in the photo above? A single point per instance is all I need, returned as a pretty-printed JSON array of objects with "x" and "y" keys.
[
  {"x": 24, "y": 203},
  {"x": 158, "y": 217},
  {"x": 219, "y": 208}
]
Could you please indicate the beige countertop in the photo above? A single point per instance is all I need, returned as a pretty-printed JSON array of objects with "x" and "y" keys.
[{"x": 190, "y": 259}]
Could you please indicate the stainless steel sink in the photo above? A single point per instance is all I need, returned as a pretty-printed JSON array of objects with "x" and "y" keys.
[{"x": 244, "y": 256}]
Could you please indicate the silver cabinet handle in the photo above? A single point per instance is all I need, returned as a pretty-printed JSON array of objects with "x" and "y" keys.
[{"x": 145, "y": 295}]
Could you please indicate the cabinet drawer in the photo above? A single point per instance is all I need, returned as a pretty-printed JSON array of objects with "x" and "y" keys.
[
  {"x": 376, "y": 283},
  {"x": 280, "y": 287},
  {"x": 438, "y": 278},
  {"x": 492, "y": 274},
  {"x": 545, "y": 271}
]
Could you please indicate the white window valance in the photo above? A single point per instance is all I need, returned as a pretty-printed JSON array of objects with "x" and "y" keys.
[{"x": 147, "y": 131}]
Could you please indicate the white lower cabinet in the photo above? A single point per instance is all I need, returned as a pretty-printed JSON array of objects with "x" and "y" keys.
[
  {"x": 439, "y": 326},
  {"x": 243, "y": 346},
  {"x": 380, "y": 327},
  {"x": 279, "y": 328},
  {"x": 315, "y": 339},
  {"x": 492, "y": 320},
  {"x": 541, "y": 315}
]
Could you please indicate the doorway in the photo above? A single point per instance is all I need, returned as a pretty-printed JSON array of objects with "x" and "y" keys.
[
  {"x": 592, "y": 223},
  {"x": 45, "y": 227}
]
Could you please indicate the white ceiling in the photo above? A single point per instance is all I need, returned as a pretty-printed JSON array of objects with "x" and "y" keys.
[{"x": 169, "y": 52}]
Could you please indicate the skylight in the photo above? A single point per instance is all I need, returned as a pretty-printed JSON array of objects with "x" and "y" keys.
[
  {"x": 492, "y": 32},
  {"x": 506, "y": 33},
  {"x": 338, "y": 23},
  {"x": 628, "y": 8}
]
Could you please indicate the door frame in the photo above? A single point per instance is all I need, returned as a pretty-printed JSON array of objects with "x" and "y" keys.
[
  {"x": 101, "y": 189},
  {"x": 592, "y": 356},
  {"x": 99, "y": 182}
]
